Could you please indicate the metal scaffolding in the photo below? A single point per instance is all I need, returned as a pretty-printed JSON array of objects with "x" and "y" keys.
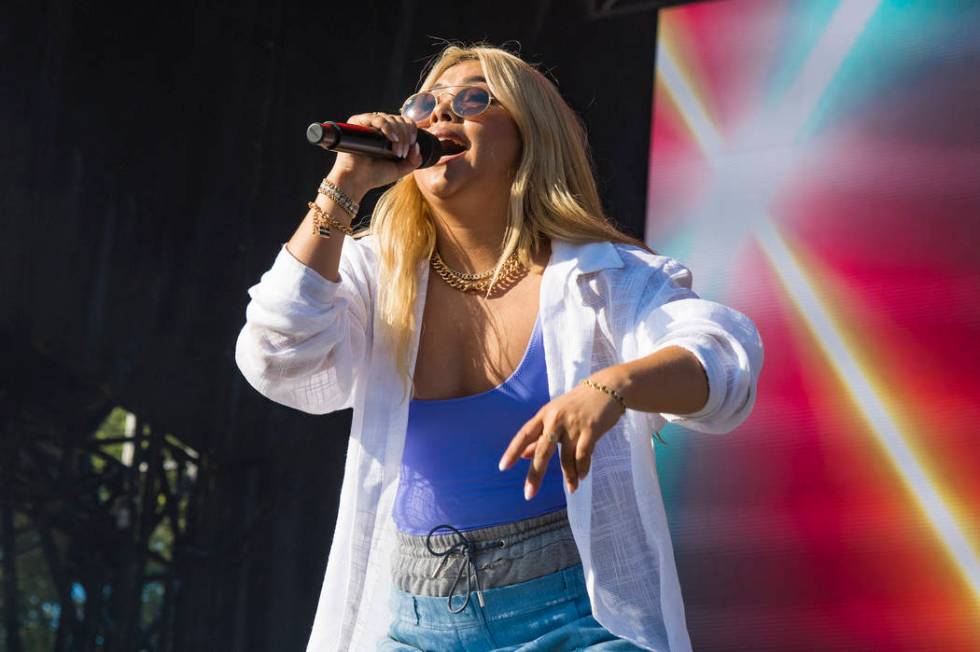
[{"x": 111, "y": 515}]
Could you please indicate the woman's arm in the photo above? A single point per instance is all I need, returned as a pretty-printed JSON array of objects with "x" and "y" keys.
[
  {"x": 692, "y": 361},
  {"x": 669, "y": 380},
  {"x": 305, "y": 337},
  {"x": 323, "y": 254},
  {"x": 308, "y": 326}
]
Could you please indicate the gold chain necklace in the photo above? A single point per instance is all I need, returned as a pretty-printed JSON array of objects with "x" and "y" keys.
[
  {"x": 467, "y": 282},
  {"x": 464, "y": 276}
]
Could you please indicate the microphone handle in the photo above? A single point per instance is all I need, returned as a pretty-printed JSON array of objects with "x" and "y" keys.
[
  {"x": 355, "y": 139},
  {"x": 351, "y": 139}
]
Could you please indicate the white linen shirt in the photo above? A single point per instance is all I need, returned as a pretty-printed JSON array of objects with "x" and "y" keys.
[{"x": 314, "y": 345}]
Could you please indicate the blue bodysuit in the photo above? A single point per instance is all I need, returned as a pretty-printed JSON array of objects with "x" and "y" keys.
[{"x": 449, "y": 469}]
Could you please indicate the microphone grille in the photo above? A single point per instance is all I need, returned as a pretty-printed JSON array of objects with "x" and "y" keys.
[{"x": 314, "y": 133}]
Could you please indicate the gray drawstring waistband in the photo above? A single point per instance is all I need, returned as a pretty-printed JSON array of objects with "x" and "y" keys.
[
  {"x": 467, "y": 549},
  {"x": 499, "y": 555}
]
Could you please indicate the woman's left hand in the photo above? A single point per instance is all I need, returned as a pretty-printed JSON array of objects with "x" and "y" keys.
[{"x": 580, "y": 418}]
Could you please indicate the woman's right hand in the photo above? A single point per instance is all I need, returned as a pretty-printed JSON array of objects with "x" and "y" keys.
[{"x": 363, "y": 173}]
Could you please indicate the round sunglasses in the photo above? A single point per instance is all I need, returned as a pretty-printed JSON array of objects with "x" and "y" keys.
[{"x": 468, "y": 102}]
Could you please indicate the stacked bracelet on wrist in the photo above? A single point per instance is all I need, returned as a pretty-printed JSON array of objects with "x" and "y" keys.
[
  {"x": 322, "y": 222},
  {"x": 607, "y": 390},
  {"x": 340, "y": 197}
]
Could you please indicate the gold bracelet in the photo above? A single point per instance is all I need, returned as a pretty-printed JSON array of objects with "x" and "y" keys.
[
  {"x": 322, "y": 222},
  {"x": 339, "y": 197},
  {"x": 602, "y": 388}
]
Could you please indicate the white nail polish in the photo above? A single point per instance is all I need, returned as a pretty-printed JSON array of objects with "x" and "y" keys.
[{"x": 527, "y": 491}]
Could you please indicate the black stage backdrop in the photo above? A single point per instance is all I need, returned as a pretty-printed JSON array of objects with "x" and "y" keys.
[{"x": 153, "y": 161}]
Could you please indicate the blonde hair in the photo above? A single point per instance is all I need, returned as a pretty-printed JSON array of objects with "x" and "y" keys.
[{"x": 553, "y": 193}]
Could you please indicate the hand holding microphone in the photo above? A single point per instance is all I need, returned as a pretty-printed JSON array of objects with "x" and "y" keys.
[{"x": 375, "y": 149}]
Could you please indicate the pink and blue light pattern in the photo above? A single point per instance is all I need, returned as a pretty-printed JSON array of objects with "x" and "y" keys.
[{"x": 817, "y": 164}]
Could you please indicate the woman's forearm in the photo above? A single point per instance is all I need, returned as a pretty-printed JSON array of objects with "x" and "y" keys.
[
  {"x": 323, "y": 254},
  {"x": 670, "y": 381}
]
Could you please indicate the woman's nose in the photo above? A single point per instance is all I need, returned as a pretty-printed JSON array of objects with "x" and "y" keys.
[{"x": 443, "y": 108}]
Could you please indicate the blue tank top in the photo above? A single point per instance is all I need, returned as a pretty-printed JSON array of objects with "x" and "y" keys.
[{"x": 449, "y": 468}]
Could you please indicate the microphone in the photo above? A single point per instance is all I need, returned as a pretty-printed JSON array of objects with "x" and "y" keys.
[{"x": 355, "y": 139}]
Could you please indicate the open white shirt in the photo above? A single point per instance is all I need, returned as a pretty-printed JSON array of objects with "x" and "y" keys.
[{"x": 311, "y": 344}]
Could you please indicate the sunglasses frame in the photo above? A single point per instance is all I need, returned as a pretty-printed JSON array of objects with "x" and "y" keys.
[{"x": 439, "y": 93}]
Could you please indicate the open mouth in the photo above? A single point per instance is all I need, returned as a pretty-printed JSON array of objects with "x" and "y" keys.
[{"x": 451, "y": 147}]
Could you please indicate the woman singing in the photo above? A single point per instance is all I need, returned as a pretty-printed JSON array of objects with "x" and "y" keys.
[{"x": 491, "y": 319}]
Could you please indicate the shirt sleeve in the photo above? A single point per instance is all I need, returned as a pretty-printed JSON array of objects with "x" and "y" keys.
[
  {"x": 305, "y": 338},
  {"x": 724, "y": 341}
]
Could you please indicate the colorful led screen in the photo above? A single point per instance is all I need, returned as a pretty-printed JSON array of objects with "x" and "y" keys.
[{"x": 816, "y": 163}]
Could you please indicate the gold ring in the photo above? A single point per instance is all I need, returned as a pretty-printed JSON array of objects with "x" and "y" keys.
[{"x": 553, "y": 437}]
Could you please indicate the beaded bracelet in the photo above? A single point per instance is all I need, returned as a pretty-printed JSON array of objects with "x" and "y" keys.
[
  {"x": 340, "y": 197},
  {"x": 602, "y": 388},
  {"x": 322, "y": 222}
]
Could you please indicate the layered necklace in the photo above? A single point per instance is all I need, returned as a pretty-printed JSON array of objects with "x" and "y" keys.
[{"x": 478, "y": 283}]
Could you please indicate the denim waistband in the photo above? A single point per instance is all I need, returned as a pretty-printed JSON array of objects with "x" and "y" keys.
[{"x": 491, "y": 557}]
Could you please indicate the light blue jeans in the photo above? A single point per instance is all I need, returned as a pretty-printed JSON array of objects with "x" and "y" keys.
[{"x": 549, "y": 612}]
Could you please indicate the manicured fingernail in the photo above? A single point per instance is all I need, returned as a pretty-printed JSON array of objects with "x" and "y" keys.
[
  {"x": 394, "y": 136},
  {"x": 502, "y": 465},
  {"x": 571, "y": 489},
  {"x": 527, "y": 491}
]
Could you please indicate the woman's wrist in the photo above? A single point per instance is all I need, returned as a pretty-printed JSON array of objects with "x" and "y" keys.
[
  {"x": 616, "y": 378},
  {"x": 348, "y": 183},
  {"x": 670, "y": 380}
]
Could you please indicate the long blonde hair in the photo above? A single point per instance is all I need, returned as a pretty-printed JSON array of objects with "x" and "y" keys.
[{"x": 553, "y": 193}]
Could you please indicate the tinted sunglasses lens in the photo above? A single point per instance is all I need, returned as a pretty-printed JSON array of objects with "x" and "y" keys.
[
  {"x": 471, "y": 101},
  {"x": 418, "y": 107}
]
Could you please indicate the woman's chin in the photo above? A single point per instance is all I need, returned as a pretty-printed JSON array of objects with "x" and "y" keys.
[{"x": 441, "y": 180}]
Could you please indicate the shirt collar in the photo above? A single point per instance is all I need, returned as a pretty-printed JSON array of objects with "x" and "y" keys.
[
  {"x": 569, "y": 259},
  {"x": 586, "y": 257}
]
